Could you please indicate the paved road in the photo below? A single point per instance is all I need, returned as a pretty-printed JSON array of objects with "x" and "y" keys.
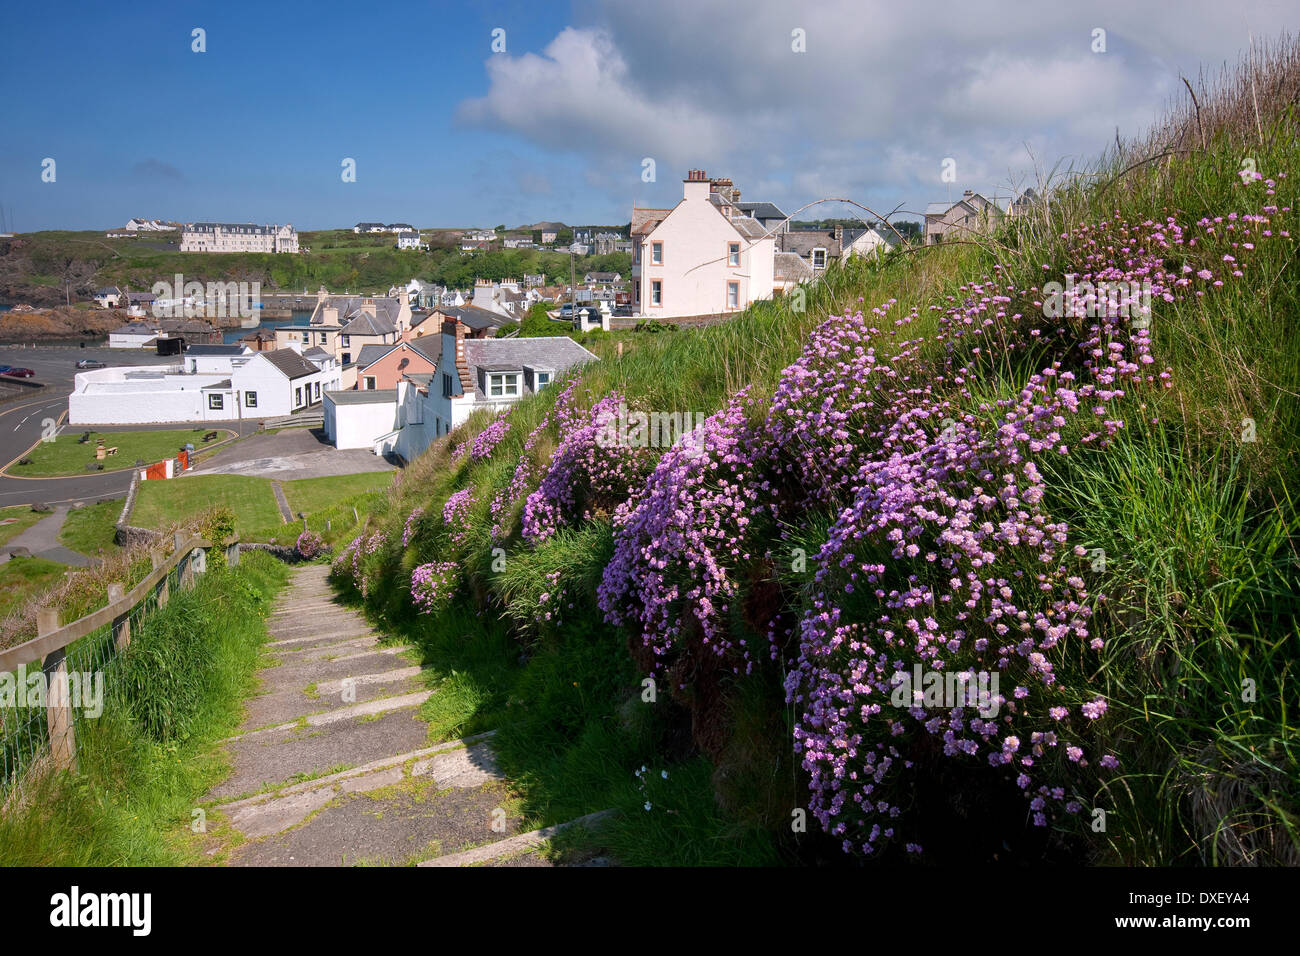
[
  {"x": 291, "y": 454},
  {"x": 22, "y": 422}
]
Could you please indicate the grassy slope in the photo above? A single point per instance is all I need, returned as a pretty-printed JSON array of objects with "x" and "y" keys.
[
  {"x": 310, "y": 495},
  {"x": 147, "y": 761},
  {"x": 21, "y": 517},
  {"x": 66, "y": 456},
  {"x": 20, "y": 578},
  {"x": 161, "y": 503},
  {"x": 1199, "y": 527},
  {"x": 91, "y": 528}
]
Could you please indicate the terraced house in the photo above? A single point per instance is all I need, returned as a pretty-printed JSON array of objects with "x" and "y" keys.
[{"x": 342, "y": 325}]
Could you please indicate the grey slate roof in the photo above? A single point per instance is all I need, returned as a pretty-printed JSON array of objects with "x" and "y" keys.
[
  {"x": 215, "y": 350},
  {"x": 370, "y": 354},
  {"x": 789, "y": 266},
  {"x": 552, "y": 353},
  {"x": 133, "y": 328},
  {"x": 317, "y": 353},
  {"x": 224, "y": 383},
  {"x": 387, "y": 308},
  {"x": 363, "y": 396},
  {"x": 473, "y": 317},
  {"x": 290, "y": 363},
  {"x": 804, "y": 241},
  {"x": 760, "y": 210}
]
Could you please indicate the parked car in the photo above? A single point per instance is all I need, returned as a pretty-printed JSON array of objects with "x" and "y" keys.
[
  {"x": 4, "y": 369},
  {"x": 18, "y": 372},
  {"x": 90, "y": 363}
]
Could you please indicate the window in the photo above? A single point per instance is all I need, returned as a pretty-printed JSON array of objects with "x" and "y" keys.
[
  {"x": 733, "y": 295},
  {"x": 347, "y": 357},
  {"x": 657, "y": 292},
  {"x": 733, "y": 253},
  {"x": 216, "y": 401},
  {"x": 656, "y": 253},
  {"x": 318, "y": 391},
  {"x": 324, "y": 337},
  {"x": 503, "y": 384},
  {"x": 818, "y": 259},
  {"x": 347, "y": 340},
  {"x": 250, "y": 399},
  {"x": 370, "y": 382},
  {"x": 446, "y": 385},
  {"x": 543, "y": 379},
  {"x": 306, "y": 338},
  {"x": 297, "y": 397}
]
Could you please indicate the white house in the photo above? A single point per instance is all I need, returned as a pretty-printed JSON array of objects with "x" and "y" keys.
[
  {"x": 133, "y": 335},
  {"x": 408, "y": 240},
  {"x": 109, "y": 297},
  {"x": 355, "y": 419},
  {"x": 256, "y": 385},
  {"x": 702, "y": 257},
  {"x": 493, "y": 373}
]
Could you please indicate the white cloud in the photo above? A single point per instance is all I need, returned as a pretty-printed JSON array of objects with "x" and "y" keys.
[{"x": 883, "y": 94}]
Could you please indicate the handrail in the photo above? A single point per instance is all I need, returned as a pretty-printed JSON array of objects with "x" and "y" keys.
[{"x": 38, "y": 648}]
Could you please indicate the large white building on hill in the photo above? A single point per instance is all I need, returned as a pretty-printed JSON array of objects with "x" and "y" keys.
[{"x": 237, "y": 237}]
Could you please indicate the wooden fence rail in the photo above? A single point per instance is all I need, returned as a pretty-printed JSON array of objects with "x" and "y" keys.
[{"x": 50, "y": 646}]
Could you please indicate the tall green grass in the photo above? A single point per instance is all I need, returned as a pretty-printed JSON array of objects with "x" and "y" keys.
[{"x": 144, "y": 764}]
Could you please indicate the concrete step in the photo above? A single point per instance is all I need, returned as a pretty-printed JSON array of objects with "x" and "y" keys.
[
  {"x": 274, "y": 757},
  {"x": 456, "y": 763},
  {"x": 286, "y": 702},
  {"x": 502, "y": 850},
  {"x": 321, "y": 718},
  {"x": 320, "y": 638}
]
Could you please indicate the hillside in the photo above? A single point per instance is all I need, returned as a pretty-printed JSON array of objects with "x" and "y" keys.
[
  {"x": 36, "y": 268},
  {"x": 1081, "y": 502}
]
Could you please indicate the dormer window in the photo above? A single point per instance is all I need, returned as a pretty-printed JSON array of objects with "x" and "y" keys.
[{"x": 503, "y": 384}]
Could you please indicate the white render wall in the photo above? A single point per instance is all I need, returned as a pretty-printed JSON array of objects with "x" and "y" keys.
[
  {"x": 357, "y": 426},
  {"x": 695, "y": 273},
  {"x": 113, "y": 400}
]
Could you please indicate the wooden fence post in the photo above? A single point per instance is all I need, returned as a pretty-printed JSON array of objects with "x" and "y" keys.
[
  {"x": 121, "y": 624},
  {"x": 164, "y": 586},
  {"x": 186, "y": 576},
  {"x": 58, "y": 713}
]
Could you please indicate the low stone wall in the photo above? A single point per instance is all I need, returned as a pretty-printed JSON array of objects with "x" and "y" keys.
[
  {"x": 625, "y": 322},
  {"x": 125, "y": 535},
  {"x": 286, "y": 553}
]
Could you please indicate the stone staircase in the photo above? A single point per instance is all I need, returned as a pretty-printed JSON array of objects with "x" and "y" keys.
[{"x": 333, "y": 765}]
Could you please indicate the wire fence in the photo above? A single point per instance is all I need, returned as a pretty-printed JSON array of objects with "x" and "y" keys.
[{"x": 45, "y": 704}]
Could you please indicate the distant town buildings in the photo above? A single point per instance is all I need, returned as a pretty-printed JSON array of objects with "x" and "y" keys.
[
  {"x": 969, "y": 215},
  {"x": 237, "y": 237}
]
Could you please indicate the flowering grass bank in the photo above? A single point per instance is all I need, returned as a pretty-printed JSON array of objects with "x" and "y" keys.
[{"x": 1058, "y": 464}]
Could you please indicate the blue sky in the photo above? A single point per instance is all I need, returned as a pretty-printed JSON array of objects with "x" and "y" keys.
[{"x": 446, "y": 132}]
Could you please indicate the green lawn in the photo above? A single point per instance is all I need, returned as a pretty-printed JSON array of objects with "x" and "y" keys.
[
  {"x": 159, "y": 503},
  {"x": 89, "y": 529},
  {"x": 17, "y": 520},
  {"x": 315, "y": 494},
  {"x": 20, "y": 578},
  {"x": 67, "y": 456}
]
